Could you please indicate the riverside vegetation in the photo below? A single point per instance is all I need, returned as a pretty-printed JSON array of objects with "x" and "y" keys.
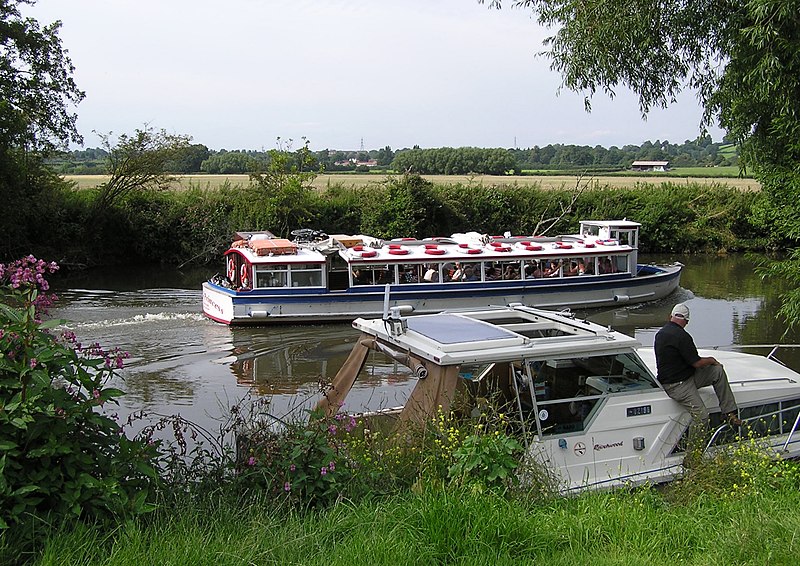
[
  {"x": 77, "y": 487},
  {"x": 195, "y": 225}
]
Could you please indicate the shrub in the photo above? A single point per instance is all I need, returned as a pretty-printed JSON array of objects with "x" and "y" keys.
[{"x": 63, "y": 454}]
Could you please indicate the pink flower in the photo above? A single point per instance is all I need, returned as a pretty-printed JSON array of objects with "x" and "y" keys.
[
  {"x": 332, "y": 429},
  {"x": 287, "y": 486},
  {"x": 251, "y": 461},
  {"x": 292, "y": 468},
  {"x": 33, "y": 363},
  {"x": 331, "y": 465},
  {"x": 323, "y": 471}
]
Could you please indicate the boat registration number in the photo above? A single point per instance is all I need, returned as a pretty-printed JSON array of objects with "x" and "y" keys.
[{"x": 641, "y": 410}]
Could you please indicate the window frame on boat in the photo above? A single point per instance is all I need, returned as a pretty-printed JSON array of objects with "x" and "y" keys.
[{"x": 289, "y": 275}]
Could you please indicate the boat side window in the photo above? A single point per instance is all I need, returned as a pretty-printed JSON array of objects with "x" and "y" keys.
[
  {"x": 409, "y": 273},
  {"x": 567, "y": 390},
  {"x": 275, "y": 275},
  {"x": 509, "y": 270},
  {"x": 307, "y": 275},
  {"x": 373, "y": 274}
]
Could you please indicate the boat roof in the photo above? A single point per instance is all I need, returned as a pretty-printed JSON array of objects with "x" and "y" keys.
[
  {"x": 300, "y": 255},
  {"x": 625, "y": 223},
  {"x": 495, "y": 335}
]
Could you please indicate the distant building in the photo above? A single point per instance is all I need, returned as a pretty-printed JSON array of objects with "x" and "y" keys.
[{"x": 650, "y": 166}]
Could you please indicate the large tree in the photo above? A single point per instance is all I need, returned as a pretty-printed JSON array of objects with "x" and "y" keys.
[
  {"x": 37, "y": 90},
  {"x": 741, "y": 57}
]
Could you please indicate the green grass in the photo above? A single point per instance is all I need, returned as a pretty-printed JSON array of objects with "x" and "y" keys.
[{"x": 455, "y": 526}]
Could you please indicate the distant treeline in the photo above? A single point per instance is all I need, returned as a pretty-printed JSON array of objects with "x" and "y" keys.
[{"x": 198, "y": 158}]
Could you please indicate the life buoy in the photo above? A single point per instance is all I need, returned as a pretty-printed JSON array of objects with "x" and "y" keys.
[
  {"x": 470, "y": 251},
  {"x": 395, "y": 246},
  {"x": 533, "y": 248},
  {"x": 608, "y": 242},
  {"x": 500, "y": 247},
  {"x": 431, "y": 246},
  {"x": 398, "y": 251},
  {"x": 368, "y": 253},
  {"x": 588, "y": 245},
  {"x": 358, "y": 248},
  {"x": 435, "y": 251},
  {"x": 563, "y": 246},
  {"x": 231, "y": 269},
  {"x": 244, "y": 274}
]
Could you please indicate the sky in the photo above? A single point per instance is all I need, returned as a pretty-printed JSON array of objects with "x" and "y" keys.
[{"x": 239, "y": 74}]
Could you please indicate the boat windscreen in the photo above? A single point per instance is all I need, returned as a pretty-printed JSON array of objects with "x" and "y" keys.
[{"x": 452, "y": 329}]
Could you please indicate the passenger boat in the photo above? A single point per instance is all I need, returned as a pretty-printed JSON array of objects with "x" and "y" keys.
[
  {"x": 319, "y": 278},
  {"x": 586, "y": 398}
]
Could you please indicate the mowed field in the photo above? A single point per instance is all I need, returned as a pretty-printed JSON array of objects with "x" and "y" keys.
[{"x": 544, "y": 181}]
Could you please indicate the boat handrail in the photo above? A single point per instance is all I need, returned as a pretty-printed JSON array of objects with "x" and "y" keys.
[
  {"x": 725, "y": 426},
  {"x": 760, "y": 380},
  {"x": 791, "y": 433}
]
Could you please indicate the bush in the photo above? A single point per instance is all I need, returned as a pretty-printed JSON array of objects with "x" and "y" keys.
[{"x": 63, "y": 454}]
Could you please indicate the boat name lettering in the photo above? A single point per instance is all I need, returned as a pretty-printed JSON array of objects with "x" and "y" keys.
[
  {"x": 207, "y": 301},
  {"x": 609, "y": 445}
]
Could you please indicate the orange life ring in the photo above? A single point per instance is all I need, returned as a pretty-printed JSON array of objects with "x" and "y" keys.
[
  {"x": 244, "y": 274},
  {"x": 435, "y": 251},
  {"x": 231, "y": 269}
]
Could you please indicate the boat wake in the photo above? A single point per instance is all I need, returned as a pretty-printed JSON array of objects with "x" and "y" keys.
[{"x": 147, "y": 318}]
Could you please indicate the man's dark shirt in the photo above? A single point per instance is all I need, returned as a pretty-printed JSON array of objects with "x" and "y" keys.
[{"x": 675, "y": 353}]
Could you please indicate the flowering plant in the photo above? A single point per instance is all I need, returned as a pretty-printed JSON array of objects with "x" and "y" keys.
[{"x": 62, "y": 454}]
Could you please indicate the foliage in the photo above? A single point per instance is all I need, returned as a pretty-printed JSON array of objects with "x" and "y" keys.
[
  {"x": 286, "y": 184},
  {"x": 64, "y": 454},
  {"x": 486, "y": 458},
  {"x": 455, "y": 161},
  {"x": 137, "y": 162},
  {"x": 36, "y": 84}
]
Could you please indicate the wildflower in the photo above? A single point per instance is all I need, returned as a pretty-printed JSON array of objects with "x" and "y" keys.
[
  {"x": 331, "y": 465},
  {"x": 251, "y": 461},
  {"x": 323, "y": 471},
  {"x": 292, "y": 468},
  {"x": 96, "y": 394},
  {"x": 33, "y": 363},
  {"x": 332, "y": 429},
  {"x": 287, "y": 486}
]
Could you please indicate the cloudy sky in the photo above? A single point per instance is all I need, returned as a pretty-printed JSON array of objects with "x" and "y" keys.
[{"x": 238, "y": 74}]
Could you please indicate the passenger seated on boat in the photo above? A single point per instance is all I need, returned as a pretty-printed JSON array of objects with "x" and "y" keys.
[
  {"x": 469, "y": 274},
  {"x": 533, "y": 270},
  {"x": 359, "y": 277},
  {"x": 605, "y": 265},
  {"x": 458, "y": 274},
  {"x": 492, "y": 273},
  {"x": 431, "y": 275},
  {"x": 511, "y": 272},
  {"x": 553, "y": 269},
  {"x": 571, "y": 269},
  {"x": 581, "y": 266}
]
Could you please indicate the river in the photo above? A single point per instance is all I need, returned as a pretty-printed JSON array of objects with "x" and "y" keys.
[{"x": 182, "y": 363}]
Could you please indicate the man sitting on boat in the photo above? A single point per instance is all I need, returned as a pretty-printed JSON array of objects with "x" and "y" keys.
[{"x": 681, "y": 371}]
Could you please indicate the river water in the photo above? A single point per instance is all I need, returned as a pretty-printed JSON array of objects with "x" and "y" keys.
[{"x": 182, "y": 363}]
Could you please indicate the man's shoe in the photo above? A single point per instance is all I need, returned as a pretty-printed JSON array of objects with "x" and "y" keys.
[{"x": 733, "y": 420}]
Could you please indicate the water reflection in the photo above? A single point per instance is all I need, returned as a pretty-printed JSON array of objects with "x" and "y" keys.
[{"x": 183, "y": 363}]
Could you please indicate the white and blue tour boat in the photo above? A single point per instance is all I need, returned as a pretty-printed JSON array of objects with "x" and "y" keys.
[
  {"x": 585, "y": 398},
  {"x": 319, "y": 278}
]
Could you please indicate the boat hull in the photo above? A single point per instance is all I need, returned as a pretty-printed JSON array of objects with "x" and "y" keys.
[{"x": 266, "y": 306}]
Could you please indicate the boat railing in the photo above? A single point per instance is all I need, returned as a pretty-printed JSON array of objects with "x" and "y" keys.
[{"x": 725, "y": 427}]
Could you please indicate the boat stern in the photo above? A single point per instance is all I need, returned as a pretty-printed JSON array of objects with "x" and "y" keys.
[{"x": 217, "y": 303}]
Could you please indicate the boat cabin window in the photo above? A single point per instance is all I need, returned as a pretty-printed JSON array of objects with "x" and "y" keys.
[
  {"x": 566, "y": 391},
  {"x": 372, "y": 274},
  {"x": 289, "y": 275}
]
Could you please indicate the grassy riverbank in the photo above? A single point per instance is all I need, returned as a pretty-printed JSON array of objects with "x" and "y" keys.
[{"x": 455, "y": 526}]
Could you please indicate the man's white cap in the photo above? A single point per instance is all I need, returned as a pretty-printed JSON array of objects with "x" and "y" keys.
[{"x": 680, "y": 311}]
